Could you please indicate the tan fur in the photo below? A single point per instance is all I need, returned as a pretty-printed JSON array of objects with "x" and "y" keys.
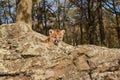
[{"x": 55, "y": 36}]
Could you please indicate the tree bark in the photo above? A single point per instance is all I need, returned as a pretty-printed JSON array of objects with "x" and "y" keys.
[
  {"x": 45, "y": 20},
  {"x": 58, "y": 14},
  {"x": 81, "y": 28},
  {"x": 100, "y": 20},
  {"x": 117, "y": 23},
  {"x": 24, "y": 11},
  {"x": 91, "y": 24}
]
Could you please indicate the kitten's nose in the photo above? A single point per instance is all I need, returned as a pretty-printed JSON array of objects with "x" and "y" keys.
[{"x": 56, "y": 42}]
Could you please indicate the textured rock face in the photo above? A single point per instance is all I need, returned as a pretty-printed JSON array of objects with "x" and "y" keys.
[{"x": 24, "y": 57}]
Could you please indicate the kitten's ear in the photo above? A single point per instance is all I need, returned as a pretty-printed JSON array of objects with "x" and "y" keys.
[
  {"x": 63, "y": 31},
  {"x": 50, "y": 31}
]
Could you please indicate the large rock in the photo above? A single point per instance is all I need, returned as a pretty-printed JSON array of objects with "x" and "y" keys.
[{"x": 24, "y": 57}]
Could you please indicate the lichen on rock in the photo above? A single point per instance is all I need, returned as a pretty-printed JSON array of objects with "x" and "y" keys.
[{"x": 24, "y": 57}]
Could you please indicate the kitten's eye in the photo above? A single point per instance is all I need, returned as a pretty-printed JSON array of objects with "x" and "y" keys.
[
  {"x": 54, "y": 36},
  {"x": 60, "y": 37}
]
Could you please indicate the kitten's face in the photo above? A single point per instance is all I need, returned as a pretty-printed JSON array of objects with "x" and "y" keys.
[{"x": 56, "y": 36}]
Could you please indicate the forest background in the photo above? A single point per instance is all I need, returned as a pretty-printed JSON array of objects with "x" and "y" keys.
[{"x": 94, "y": 22}]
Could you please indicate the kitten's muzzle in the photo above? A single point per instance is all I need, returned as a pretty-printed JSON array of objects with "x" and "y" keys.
[{"x": 56, "y": 42}]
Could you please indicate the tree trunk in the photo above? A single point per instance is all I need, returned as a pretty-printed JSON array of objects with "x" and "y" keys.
[
  {"x": 81, "y": 28},
  {"x": 45, "y": 20},
  {"x": 117, "y": 23},
  {"x": 64, "y": 14},
  {"x": 91, "y": 26},
  {"x": 100, "y": 20},
  {"x": 58, "y": 14},
  {"x": 0, "y": 21},
  {"x": 24, "y": 11}
]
